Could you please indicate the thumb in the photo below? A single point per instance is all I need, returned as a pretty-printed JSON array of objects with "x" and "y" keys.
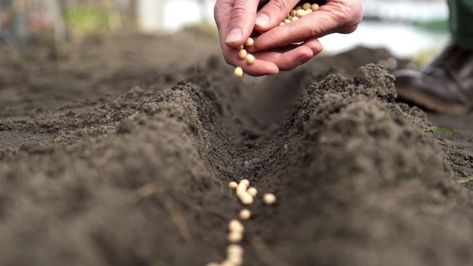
[
  {"x": 273, "y": 13},
  {"x": 242, "y": 21}
]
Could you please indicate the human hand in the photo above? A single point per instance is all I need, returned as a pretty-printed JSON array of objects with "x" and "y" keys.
[
  {"x": 335, "y": 16},
  {"x": 236, "y": 21}
]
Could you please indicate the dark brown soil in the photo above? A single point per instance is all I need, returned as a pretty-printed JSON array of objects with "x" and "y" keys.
[{"x": 129, "y": 165}]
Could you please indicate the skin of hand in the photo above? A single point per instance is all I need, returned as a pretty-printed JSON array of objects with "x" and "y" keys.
[{"x": 273, "y": 49}]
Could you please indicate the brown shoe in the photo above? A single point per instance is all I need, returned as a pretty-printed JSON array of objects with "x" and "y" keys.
[{"x": 445, "y": 86}]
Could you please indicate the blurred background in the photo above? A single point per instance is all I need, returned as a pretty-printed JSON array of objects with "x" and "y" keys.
[{"x": 409, "y": 29}]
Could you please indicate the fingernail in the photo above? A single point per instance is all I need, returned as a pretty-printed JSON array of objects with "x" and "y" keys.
[
  {"x": 234, "y": 35},
  {"x": 262, "y": 19}
]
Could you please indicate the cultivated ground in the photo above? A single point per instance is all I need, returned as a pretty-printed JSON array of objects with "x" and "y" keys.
[{"x": 120, "y": 154}]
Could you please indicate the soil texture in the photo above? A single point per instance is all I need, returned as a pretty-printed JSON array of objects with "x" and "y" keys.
[{"x": 126, "y": 161}]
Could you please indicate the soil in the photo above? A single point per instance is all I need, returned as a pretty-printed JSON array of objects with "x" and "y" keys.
[{"x": 121, "y": 152}]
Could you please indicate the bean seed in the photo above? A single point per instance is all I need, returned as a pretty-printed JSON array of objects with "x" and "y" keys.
[
  {"x": 306, "y": 6},
  {"x": 242, "y": 54},
  {"x": 250, "y": 42},
  {"x": 269, "y": 198},
  {"x": 233, "y": 185},
  {"x": 245, "y": 214},
  {"x": 238, "y": 72},
  {"x": 250, "y": 59}
]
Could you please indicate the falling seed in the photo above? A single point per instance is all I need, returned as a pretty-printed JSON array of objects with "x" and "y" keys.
[
  {"x": 245, "y": 214},
  {"x": 252, "y": 191},
  {"x": 233, "y": 185},
  {"x": 250, "y": 59},
  {"x": 236, "y": 226},
  {"x": 238, "y": 72},
  {"x": 306, "y": 6},
  {"x": 245, "y": 181},
  {"x": 269, "y": 198},
  {"x": 315, "y": 7},
  {"x": 235, "y": 237},
  {"x": 213, "y": 264},
  {"x": 242, "y": 54},
  {"x": 250, "y": 42}
]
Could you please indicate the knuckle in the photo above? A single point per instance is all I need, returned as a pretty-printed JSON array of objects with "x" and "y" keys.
[
  {"x": 279, "y": 5},
  {"x": 239, "y": 12}
]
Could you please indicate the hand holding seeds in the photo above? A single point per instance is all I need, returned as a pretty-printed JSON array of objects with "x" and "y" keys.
[
  {"x": 280, "y": 23},
  {"x": 335, "y": 16}
]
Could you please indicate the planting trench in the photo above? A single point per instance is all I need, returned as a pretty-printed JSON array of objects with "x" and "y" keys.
[{"x": 141, "y": 178}]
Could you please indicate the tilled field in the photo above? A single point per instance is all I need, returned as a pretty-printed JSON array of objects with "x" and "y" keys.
[{"x": 140, "y": 177}]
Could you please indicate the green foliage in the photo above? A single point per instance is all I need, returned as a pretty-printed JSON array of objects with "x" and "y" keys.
[
  {"x": 446, "y": 130},
  {"x": 90, "y": 20},
  {"x": 435, "y": 26}
]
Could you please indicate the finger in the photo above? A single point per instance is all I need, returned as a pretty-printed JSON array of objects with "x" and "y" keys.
[
  {"x": 273, "y": 13},
  {"x": 242, "y": 21},
  {"x": 316, "y": 24},
  {"x": 291, "y": 59},
  {"x": 258, "y": 68}
]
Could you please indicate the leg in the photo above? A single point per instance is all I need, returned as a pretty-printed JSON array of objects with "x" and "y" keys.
[
  {"x": 446, "y": 85},
  {"x": 461, "y": 22}
]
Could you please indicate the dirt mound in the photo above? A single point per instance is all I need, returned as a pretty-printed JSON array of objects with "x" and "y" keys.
[{"x": 140, "y": 179}]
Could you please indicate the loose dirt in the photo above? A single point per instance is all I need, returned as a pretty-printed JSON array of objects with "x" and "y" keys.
[{"x": 133, "y": 169}]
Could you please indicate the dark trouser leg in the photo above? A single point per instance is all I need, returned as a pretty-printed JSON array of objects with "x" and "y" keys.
[{"x": 461, "y": 22}]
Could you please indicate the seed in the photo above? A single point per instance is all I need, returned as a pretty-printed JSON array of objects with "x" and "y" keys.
[
  {"x": 294, "y": 18},
  {"x": 233, "y": 185},
  {"x": 250, "y": 42},
  {"x": 236, "y": 260},
  {"x": 293, "y": 12},
  {"x": 306, "y": 6},
  {"x": 298, "y": 7},
  {"x": 242, "y": 54},
  {"x": 238, "y": 72},
  {"x": 269, "y": 198},
  {"x": 315, "y": 7},
  {"x": 235, "y": 237},
  {"x": 236, "y": 226},
  {"x": 250, "y": 59},
  {"x": 252, "y": 191},
  {"x": 227, "y": 263},
  {"x": 245, "y": 214},
  {"x": 287, "y": 21},
  {"x": 246, "y": 198},
  {"x": 300, "y": 13},
  {"x": 282, "y": 24},
  {"x": 242, "y": 186},
  {"x": 234, "y": 249}
]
